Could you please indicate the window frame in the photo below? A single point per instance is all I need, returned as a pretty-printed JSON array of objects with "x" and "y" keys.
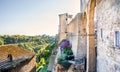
[{"x": 116, "y": 39}]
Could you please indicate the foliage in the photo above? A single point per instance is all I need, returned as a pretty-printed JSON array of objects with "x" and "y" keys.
[
  {"x": 1, "y": 41},
  {"x": 64, "y": 63},
  {"x": 65, "y": 48},
  {"x": 68, "y": 51},
  {"x": 45, "y": 53},
  {"x": 32, "y": 43},
  {"x": 40, "y": 64},
  {"x": 44, "y": 69},
  {"x": 41, "y": 45}
]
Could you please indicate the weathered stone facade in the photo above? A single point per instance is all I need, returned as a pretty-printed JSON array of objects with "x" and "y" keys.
[
  {"x": 99, "y": 17},
  {"x": 72, "y": 34},
  {"x": 82, "y": 38},
  {"x": 26, "y": 66},
  {"x": 108, "y": 22},
  {"x": 63, "y": 20},
  {"x": 75, "y": 32},
  {"x": 88, "y": 11}
]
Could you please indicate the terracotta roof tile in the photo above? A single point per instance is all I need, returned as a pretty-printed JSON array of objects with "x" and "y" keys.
[{"x": 16, "y": 52}]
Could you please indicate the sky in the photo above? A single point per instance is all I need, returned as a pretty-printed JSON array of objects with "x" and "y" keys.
[{"x": 34, "y": 17}]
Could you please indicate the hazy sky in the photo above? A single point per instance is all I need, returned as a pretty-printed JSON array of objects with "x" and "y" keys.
[{"x": 34, "y": 17}]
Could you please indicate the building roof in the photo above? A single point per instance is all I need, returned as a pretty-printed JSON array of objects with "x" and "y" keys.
[{"x": 18, "y": 54}]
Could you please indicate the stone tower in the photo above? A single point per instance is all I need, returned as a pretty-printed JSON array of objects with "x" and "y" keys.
[{"x": 63, "y": 21}]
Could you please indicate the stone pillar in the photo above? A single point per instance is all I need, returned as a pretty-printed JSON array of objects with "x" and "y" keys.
[{"x": 91, "y": 52}]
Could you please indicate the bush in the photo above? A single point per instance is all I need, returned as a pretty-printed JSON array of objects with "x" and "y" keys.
[
  {"x": 69, "y": 57},
  {"x": 64, "y": 63},
  {"x": 66, "y": 54}
]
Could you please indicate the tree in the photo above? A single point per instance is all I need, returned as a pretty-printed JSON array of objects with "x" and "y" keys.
[{"x": 1, "y": 41}]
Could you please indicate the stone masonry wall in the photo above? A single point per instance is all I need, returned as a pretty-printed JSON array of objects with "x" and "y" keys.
[
  {"x": 26, "y": 66},
  {"x": 108, "y": 21},
  {"x": 62, "y": 26},
  {"x": 72, "y": 34},
  {"x": 82, "y": 47}
]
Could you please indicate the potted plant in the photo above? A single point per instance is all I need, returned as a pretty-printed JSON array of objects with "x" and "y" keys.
[{"x": 66, "y": 54}]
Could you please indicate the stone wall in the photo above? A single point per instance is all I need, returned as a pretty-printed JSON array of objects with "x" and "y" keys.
[
  {"x": 72, "y": 35},
  {"x": 108, "y": 21},
  {"x": 62, "y": 26},
  {"x": 82, "y": 39},
  {"x": 107, "y": 16},
  {"x": 90, "y": 33},
  {"x": 27, "y": 66}
]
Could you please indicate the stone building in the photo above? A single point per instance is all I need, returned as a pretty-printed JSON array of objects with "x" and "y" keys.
[
  {"x": 81, "y": 33},
  {"x": 15, "y": 59},
  {"x": 95, "y": 34},
  {"x": 75, "y": 31},
  {"x": 103, "y": 57},
  {"x": 76, "y": 35},
  {"x": 63, "y": 20},
  {"x": 108, "y": 36},
  {"x": 88, "y": 10}
]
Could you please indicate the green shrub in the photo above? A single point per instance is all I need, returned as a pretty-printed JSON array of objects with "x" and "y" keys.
[{"x": 64, "y": 63}]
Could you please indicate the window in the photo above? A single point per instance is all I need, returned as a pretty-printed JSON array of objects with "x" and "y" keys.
[
  {"x": 101, "y": 33},
  {"x": 116, "y": 39},
  {"x": 107, "y": 41}
]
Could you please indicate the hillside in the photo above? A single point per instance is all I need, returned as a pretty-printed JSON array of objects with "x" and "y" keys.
[{"x": 42, "y": 46}]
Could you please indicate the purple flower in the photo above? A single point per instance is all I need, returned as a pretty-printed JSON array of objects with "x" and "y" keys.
[{"x": 64, "y": 44}]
